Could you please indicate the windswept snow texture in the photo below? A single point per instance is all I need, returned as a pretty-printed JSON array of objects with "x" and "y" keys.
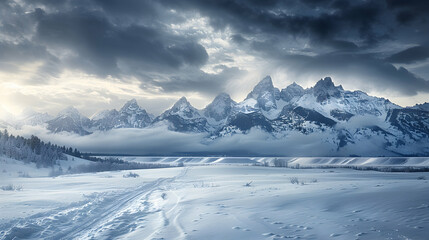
[{"x": 221, "y": 201}]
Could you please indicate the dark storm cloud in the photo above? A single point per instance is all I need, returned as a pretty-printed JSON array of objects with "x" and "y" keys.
[
  {"x": 345, "y": 38},
  {"x": 135, "y": 38},
  {"x": 15, "y": 55},
  {"x": 328, "y": 21},
  {"x": 197, "y": 80},
  {"x": 410, "y": 55},
  {"x": 408, "y": 11},
  {"x": 98, "y": 44},
  {"x": 95, "y": 37},
  {"x": 374, "y": 73}
]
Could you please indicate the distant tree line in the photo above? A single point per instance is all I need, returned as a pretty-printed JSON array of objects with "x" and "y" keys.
[
  {"x": 115, "y": 164},
  {"x": 34, "y": 150},
  {"x": 31, "y": 149}
]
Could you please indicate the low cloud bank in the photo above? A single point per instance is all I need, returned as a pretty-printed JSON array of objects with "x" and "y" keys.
[{"x": 161, "y": 141}]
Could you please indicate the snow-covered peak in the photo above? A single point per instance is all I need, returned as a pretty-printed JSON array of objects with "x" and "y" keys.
[
  {"x": 423, "y": 107},
  {"x": 131, "y": 115},
  {"x": 265, "y": 85},
  {"x": 131, "y": 105},
  {"x": 182, "y": 108},
  {"x": 325, "y": 89},
  {"x": 266, "y": 81},
  {"x": 69, "y": 120},
  {"x": 70, "y": 112},
  {"x": 291, "y": 91},
  {"x": 222, "y": 97},
  {"x": 32, "y": 118},
  {"x": 325, "y": 83},
  {"x": 328, "y": 99},
  {"x": 181, "y": 103},
  {"x": 220, "y": 108},
  {"x": 265, "y": 94}
]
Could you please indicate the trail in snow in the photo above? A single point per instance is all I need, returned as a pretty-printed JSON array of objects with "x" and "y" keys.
[
  {"x": 215, "y": 202},
  {"x": 121, "y": 214}
]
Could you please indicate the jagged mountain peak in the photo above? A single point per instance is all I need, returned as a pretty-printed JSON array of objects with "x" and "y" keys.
[
  {"x": 131, "y": 104},
  {"x": 69, "y": 120},
  {"x": 265, "y": 94},
  {"x": 182, "y": 108},
  {"x": 182, "y": 116},
  {"x": 325, "y": 89},
  {"x": 325, "y": 83},
  {"x": 33, "y": 118},
  {"x": 69, "y": 109},
  {"x": 72, "y": 112},
  {"x": 181, "y": 103},
  {"x": 295, "y": 85},
  {"x": 325, "y": 108},
  {"x": 182, "y": 100},
  {"x": 266, "y": 81},
  {"x": 222, "y": 98},
  {"x": 223, "y": 95},
  {"x": 30, "y": 113},
  {"x": 220, "y": 108},
  {"x": 265, "y": 85},
  {"x": 423, "y": 106},
  {"x": 291, "y": 91}
]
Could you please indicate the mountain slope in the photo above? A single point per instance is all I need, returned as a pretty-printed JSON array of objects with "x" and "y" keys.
[
  {"x": 69, "y": 120},
  {"x": 131, "y": 115},
  {"x": 221, "y": 107},
  {"x": 183, "y": 117},
  {"x": 346, "y": 121}
]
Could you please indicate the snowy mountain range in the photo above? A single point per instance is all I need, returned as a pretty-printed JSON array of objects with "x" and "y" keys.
[{"x": 345, "y": 119}]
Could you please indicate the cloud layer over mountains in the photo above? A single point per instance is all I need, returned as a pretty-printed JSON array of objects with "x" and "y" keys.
[
  {"x": 324, "y": 120},
  {"x": 158, "y": 50}
]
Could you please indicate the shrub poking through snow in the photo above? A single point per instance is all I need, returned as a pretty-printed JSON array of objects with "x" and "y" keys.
[
  {"x": 421, "y": 178},
  {"x": 204, "y": 185},
  {"x": 131, "y": 175},
  {"x": 11, "y": 187},
  {"x": 248, "y": 184},
  {"x": 294, "y": 180}
]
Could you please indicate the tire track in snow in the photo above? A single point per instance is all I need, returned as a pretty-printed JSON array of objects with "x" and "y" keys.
[{"x": 91, "y": 218}]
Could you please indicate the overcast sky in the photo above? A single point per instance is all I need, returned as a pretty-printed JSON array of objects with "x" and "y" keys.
[{"x": 97, "y": 54}]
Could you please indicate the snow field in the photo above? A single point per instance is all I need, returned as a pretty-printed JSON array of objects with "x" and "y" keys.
[{"x": 212, "y": 202}]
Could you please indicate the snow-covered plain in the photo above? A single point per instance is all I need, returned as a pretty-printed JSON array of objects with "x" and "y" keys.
[
  {"x": 306, "y": 162},
  {"x": 213, "y": 202}
]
